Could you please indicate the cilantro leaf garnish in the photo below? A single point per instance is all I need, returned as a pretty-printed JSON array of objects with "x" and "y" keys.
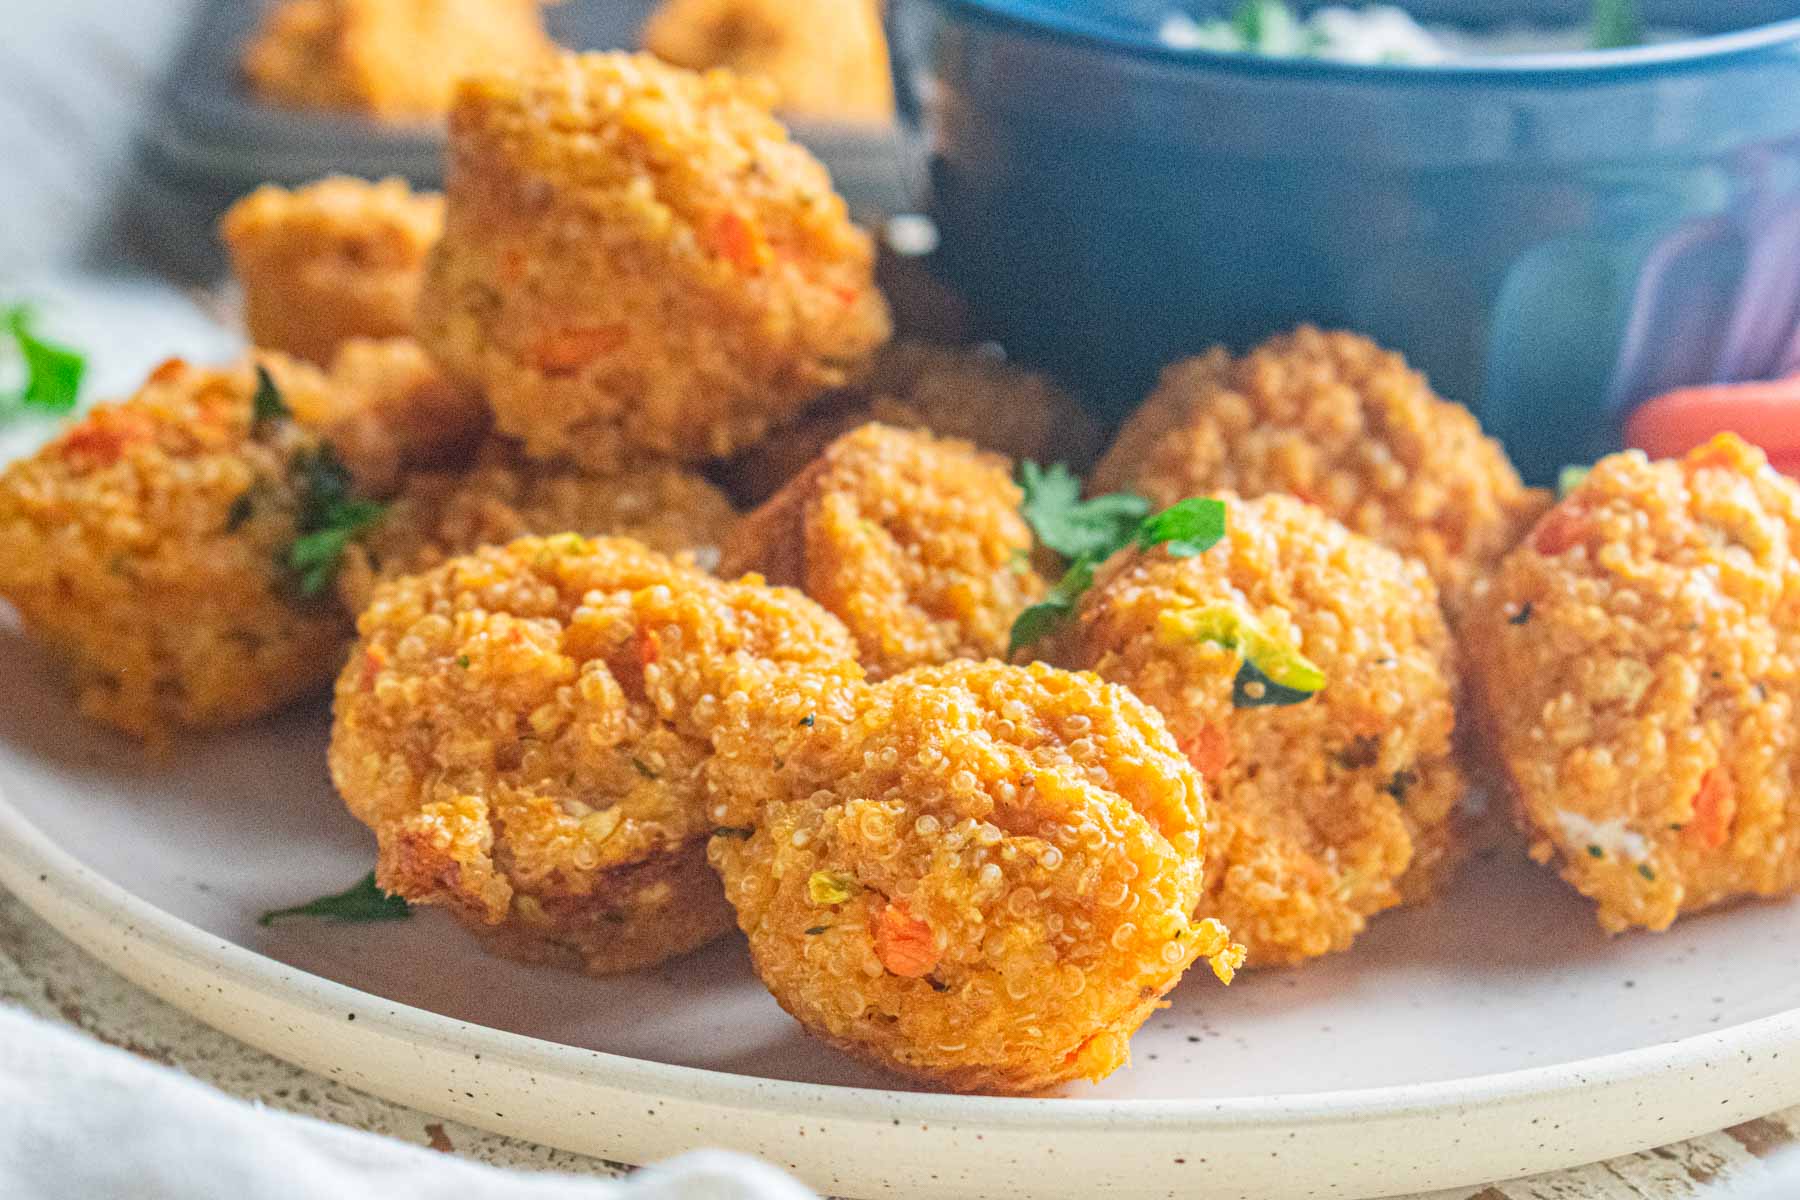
[
  {"x": 52, "y": 373},
  {"x": 315, "y": 557},
  {"x": 1069, "y": 525},
  {"x": 1192, "y": 527},
  {"x": 323, "y": 483},
  {"x": 328, "y": 520},
  {"x": 1570, "y": 478},
  {"x": 363, "y": 901},
  {"x": 1185, "y": 529},
  {"x": 1043, "y": 618},
  {"x": 267, "y": 404}
]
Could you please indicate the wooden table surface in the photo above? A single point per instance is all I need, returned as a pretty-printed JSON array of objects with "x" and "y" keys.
[{"x": 75, "y": 79}]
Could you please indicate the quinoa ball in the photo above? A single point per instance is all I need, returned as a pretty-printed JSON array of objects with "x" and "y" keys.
[
  {"x": 526, "y": 730},
  {"x": 979, "y": 875},
  {"x": 1638, "y": 662},
  {"x": 333, "y": 260},
  {"x": 1338, "y": 421},
  {"x": 1307, "y": 673},
  {"x": 963, "y": 392},
  {"x": 145, "y": 545},
  {"x": 394, "y": 60},
  {"x": 637, "y": 258},
  {"x": 915, "y": 542},
  {"x": 441, "y": 514},
  {"x": 391, "y": 412},
  {"x": 827, "y": 59}
]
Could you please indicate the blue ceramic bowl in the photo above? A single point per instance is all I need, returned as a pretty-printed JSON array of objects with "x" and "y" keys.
[{"x": 1552, "y": 239}]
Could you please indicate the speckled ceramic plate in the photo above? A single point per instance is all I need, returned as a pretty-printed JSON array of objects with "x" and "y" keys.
[{"x": 1492, "y": 1035}]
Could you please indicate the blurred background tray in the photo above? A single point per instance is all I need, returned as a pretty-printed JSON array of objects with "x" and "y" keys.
[{"x": 211, "y": 141}]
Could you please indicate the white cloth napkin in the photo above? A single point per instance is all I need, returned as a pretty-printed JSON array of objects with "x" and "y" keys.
[{"x": 83, "y": 1120}]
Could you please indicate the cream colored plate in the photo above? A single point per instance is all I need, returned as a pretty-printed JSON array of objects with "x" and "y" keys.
[{"x": 1494, "y": 1035}]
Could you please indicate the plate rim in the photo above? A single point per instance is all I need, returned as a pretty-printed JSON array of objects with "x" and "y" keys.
[{"x": 43, "y": 875}]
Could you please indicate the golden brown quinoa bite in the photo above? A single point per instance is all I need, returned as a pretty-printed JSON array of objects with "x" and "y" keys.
[
  {"x": 979, "y": 875},
  {"x": 915, "y": 542},
  {"x": 395, "y": 60},
  {"x": 1637, "y": 660},
  {"x": 441, "y": 514},
  {"x": 526, "y": 730},
  {"x": 1338, "y": 421},
  {"x": 637, "y": 258},
  {"x": 827, "y": 59},
  {"x": 391, "y": 412},
  {"x": 959, "y": 392},
  {"x": 145, "y": 544},
  {"x": 1327, "y": 801},
  {"x": 333, "y": 260}
]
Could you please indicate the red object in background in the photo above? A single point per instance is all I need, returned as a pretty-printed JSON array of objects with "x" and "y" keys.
[{"x": 1766, "y": 415}]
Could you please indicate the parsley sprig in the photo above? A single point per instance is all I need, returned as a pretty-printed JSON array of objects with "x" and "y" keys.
[
  {"x": 1088, "y": 532},
  {"x": 51, "y": 373},
  {"x": 362, "y": 902},
  {"x": 1069, "y": 525},
  {"x": 330, "y": 515}
]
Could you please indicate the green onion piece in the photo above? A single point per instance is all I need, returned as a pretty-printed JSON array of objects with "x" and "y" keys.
[{"x": 1272, "y": 673}]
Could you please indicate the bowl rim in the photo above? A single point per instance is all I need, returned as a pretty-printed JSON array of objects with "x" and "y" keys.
[{"x": 1032, "y": 16}]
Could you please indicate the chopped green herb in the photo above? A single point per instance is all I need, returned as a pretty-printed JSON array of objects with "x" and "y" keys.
[
  {"x": 1269, "y": 27},
  {"x": 462, "y": 660},
  {"x": 1073, "y": 527},
  {"x": 1646, "y": 872},
  {"x": 1522, "y": 617},
  {"x": 1191, "y": 527},
  {"x": 831, "y": 887},
  {"x": 363, "y": 901},
  {"x": 329, "y": 519},
  {"x": 1187, "y": 528},
  {"x": 1044, "y": 617},
  {"x": 315, "y": 557},
  {"x": 51, "y": 373},
  {"x": 1570, "y": 478},
  {"x": 1616, "y": 24},
  {"x": 323, "y": 484},
  {"x": 1596, "y": 852},
  {"x": 808, "y": 720},
  {"x": 816, "y": 930},
  {"x": 642, "y": 768},
  {"x": 734, "y": 831},
  {"x": 241, "y": 510},
  {"x": 267, "y": 404}
]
